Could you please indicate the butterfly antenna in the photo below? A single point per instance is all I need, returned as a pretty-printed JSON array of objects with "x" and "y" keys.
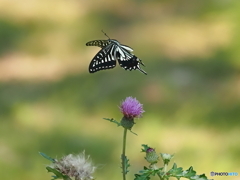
[{"x": 105, "y": 34}]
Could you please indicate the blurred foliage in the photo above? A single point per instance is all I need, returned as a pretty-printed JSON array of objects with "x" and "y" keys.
[
  {"x": 10, "y": 35},
  {"x": 50, "y": 103}
]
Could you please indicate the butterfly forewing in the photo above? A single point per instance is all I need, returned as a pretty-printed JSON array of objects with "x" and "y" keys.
[
  {"x": 103, "y": 60},
  {"x": 99, "y": 43}
]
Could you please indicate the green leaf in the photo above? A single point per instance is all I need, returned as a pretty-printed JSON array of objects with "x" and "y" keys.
[
  {"x": 58, "y": 174},
  {"x": 147, "y": 172},
  {"x": 175, "y": 171},
  {"x": 199, "y": 177},
  {"x": 145, "y": 168},
  {"x": 189, "y": 173},
  {"x": 113, "y": 121},
  {"x": 132, "y": 132},
  {"x": 47, "y": 157},
  {"x": 141, "y": 177},
  {"x": 118, "y": 123},
  {"x": 125, "y": 162},
  {"x": 145, "y": 147}
]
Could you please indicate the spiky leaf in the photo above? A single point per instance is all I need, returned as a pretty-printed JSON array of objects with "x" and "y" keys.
[
  {"x": 125, "y": 164},
  {"x": 113, "y": 121},
  {"x": 145, "y": 148},
  {"x": 47, "y": 157},
  {"x": 58, "y": 175}
]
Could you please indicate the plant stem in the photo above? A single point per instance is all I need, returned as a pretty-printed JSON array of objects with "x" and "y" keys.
[
  {"x": 123, "y": 154},
  {"x": 165, "y": 168},
  {"x": 161, "y": 177}
]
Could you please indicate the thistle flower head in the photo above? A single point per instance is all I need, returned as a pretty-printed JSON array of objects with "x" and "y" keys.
[
  {"x": 151, "y": 156},
  {"x": 131, "y": 108},
  {"x": 77, "y": 166},
  {"x": 166, "y": 157}
]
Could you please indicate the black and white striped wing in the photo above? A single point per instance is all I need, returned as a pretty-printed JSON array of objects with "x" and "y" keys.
[
  {"x": 104, "y": 59},
  {"x": 111, "y": 51},
  {"x": 131, "y": 63},
  {"x": 99, "y": 43}
]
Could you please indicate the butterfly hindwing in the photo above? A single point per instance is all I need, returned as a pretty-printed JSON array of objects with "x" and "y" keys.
[{"x": 132, "y": 63}]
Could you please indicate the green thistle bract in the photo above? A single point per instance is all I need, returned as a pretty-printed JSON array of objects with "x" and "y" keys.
[{"x": 151, "y": 156}]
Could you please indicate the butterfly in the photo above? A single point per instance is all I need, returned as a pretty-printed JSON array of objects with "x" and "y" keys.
[{"x": 112, "y": 51}]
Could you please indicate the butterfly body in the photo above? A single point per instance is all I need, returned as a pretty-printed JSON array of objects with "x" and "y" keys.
[{"x": 112, "y": 51}]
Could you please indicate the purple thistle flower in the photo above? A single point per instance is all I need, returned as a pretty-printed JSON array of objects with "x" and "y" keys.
[{"x": 131, "y": 108}]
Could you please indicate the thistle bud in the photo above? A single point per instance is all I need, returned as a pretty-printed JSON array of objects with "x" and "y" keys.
[
  {"x": 151, "y": 156},
  {"x": 166, "y": 157}
]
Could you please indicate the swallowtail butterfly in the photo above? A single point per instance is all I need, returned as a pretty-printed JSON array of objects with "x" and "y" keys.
[{"x": 112, "y": 51}]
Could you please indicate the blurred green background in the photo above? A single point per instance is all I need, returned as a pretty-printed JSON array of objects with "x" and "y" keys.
[{"x": 50, "y": 103}]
